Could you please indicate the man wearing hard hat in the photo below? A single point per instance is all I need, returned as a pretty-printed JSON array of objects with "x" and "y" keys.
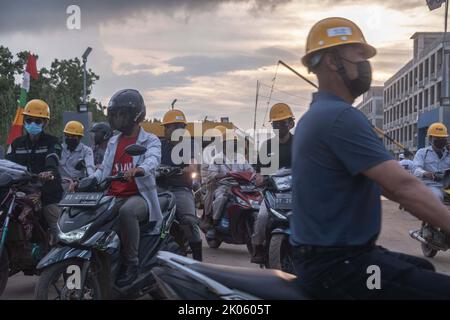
[
  {"x": 340, "y": 169},
  {"x": 209, "y": 152},
  {"x": 279, "y": 151},
  {"x": 181, "y": 185},
  {"x": 227, "y": 160},
  {"x": 74, "y": 151},
  {"x": 431, "y": 162},
  {"x": 40, "y": 153}
]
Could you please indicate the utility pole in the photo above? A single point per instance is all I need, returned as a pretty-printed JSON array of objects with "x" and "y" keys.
[
  {"x": 256, "y": 105},
  {"x": 445, "y": 94},
  {"x": 83, "y": 106}
]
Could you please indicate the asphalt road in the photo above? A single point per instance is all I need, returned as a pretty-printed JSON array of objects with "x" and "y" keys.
[{"x": 394, "y": 236}]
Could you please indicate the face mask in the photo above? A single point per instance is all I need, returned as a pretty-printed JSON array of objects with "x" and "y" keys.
[
  {"x": 362, "y": 83},
  {"x": 439, "y": 143},
  {"x": 33, "y": 128},
  {"x": 72, "y": 143}
]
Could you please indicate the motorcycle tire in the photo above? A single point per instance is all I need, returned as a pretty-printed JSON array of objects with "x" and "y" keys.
[
  {"x": 280, "y": 256},
  {"x": 213, "y": 243},
  {"x": 53, "y": 273},
  {"x": 428, "y": 251},
  {"x": 4, "y": 271}
]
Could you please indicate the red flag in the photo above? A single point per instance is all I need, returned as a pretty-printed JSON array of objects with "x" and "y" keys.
[
  {"x": 30, "y": 71},
  {"x": 31, "y": 67}
]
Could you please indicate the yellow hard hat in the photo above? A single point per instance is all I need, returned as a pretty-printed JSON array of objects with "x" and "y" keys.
[
  {"x": 437, "y": 130},
  {"x": 174, "y": 116},
  {"x": 37, "y": 108},
  {"x": 280, "y": 111},
  {"x": 75, "y": 128},
  {"x": 333, "y": 32}
]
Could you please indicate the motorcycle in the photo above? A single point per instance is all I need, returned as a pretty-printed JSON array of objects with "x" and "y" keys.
[
  {"x": 434, "y": 239},
  {"x": 86, "y": 262},
  {"x": 239, "y": 214},
  {"x": 278, "y": 201},
  {"x": 24, "y": 230},
  {"x": 181, "y": 278}
]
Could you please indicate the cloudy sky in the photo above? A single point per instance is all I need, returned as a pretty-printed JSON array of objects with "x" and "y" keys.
[{"x": 207, "y": 54}]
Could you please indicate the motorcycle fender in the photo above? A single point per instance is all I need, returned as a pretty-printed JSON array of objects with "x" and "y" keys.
[
  {"x": 59, "y": 254},
  {"x": 285, "y": 231}
]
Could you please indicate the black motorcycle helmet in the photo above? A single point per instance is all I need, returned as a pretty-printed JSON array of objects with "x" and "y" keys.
[
  {"x": 102, "y": 132},
  {"x": 125, "y": 109}
]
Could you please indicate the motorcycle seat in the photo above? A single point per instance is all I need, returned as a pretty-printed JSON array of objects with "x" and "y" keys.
[{"x": 262, "y": 283}]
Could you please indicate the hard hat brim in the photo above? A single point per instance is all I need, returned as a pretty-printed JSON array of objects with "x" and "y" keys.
[
  {"x": 35, "y": 115},
  {"x": 281, "y": 118},
  {"x": 369, "y": 50},
  {"x": 73, "y": 133}
]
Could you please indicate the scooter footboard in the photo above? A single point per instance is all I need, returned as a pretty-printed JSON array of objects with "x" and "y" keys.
[{"x": 59, "y": 254}]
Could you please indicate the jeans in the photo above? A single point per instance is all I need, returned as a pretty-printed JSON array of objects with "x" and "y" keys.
[
  {"x": 345, "y": 274},
  {"x": 220, "y": 200},
  {"x": 51, "y": 214},
  {"x": 132, "y": 211},
  {"x": 186, "y": 213},
  {"x": 259, "y": 234}
]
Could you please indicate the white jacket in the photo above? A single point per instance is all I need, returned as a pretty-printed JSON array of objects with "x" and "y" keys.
[{"x": 148, "y": 161}]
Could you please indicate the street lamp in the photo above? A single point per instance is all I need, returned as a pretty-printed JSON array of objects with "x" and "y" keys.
[{"x": 83, "y": 107}]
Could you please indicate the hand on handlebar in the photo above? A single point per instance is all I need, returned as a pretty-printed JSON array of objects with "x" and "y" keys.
[
  {"x": 135, "y": 172},
  {"x": 72, "y": 186},
  {"x": 259, "y": 180},
  {"x": 46, "y": 176}
]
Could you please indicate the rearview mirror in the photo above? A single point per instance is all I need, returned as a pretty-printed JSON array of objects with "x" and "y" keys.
[{"x": 135, "y": 150}]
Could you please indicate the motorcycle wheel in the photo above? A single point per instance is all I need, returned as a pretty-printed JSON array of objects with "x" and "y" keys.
[
  {"x": 4, "y": 271},
  {"x": 280, "y": 256},
  {"x": 213, "y": 243},
  {"x": 428, "y": 251},
  {"x": 57, "y": 273}
]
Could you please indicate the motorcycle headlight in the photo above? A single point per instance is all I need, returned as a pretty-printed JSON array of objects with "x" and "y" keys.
[
  {"x": 283, "y": 183},
  {"x": 75, "y": 235}
]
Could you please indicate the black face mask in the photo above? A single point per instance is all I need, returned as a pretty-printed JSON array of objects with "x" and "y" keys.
[
  {"x": 362, "y": 83},
  {"x": 72, "y": 143},
  {"x": 439, "y": 144}
]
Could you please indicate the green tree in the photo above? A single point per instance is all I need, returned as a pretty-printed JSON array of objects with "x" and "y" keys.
[{"x": 61, "y": 87}]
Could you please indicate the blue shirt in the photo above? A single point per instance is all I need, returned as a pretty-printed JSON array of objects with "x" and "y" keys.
[{"x": 334, "y": 203}]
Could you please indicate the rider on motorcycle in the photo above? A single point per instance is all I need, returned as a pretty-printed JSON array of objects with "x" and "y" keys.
[
  {"x": 282, "y": 120},
  {"x": 209, "y": 152},
  {"x": 181, "y": 185},
  {"x": 223, "y": 164},
  {"x": 137, "y": 199},
  {"x": 73, "y": 150},
  {"x": 32, "y": 150},
  {"x": 102, "y": 133},
  {"x": 431, "y": 162}
]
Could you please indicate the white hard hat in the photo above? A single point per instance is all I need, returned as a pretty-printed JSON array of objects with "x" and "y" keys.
[{"x": 401, "y": 156}]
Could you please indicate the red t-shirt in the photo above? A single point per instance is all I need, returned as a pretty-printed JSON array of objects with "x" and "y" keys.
[{"x": 120, "y": 189}]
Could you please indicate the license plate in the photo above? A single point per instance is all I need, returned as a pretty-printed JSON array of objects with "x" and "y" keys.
[
  {"x": 82, "y": 199},
  {"x": 283, "y": 201}
]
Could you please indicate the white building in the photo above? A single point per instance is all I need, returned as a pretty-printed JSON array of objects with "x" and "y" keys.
[
  {"x": 372, "y": 106},
  {"x": 412, "y": 95}
]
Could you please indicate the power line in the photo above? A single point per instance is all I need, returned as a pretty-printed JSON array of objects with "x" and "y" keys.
[
  {"x": 287, "y": 93},
  {"x": 290, "y": 102}
]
